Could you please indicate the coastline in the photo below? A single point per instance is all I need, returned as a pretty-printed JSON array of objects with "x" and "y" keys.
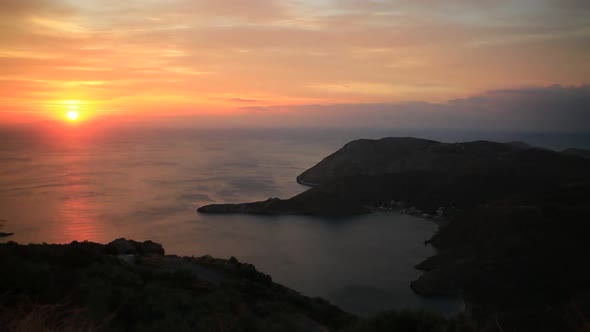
[
  {"x": 489, "y": 200},
  {"x": 305, "y": 183}
]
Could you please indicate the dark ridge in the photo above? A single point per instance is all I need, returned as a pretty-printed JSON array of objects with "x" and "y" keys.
[
  {"x": 581, "y": 153},
  {"x": 424, "y": 174},
  {"x": 132, "y": 286},
  {"x": 515, "y": 221}
]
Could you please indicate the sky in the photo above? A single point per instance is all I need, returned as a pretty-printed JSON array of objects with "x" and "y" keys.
[{"x": 462, "y": 63}]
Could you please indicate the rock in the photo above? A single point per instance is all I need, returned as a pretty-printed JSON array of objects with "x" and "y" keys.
[
  {"x": 129, "y": 259},
  {"x": 123, "y": 246},
  {"x": 150, "y": 248}
]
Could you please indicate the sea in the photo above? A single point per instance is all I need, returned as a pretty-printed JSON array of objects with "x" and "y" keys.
[{"x": 75, "y": 184}]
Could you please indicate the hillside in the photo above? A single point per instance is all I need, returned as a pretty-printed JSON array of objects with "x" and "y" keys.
[
  {"x": 424, "y": 174},
  {"x": 132, "y": 286},
  {"x": 514, "y": 258},
  {"x": 514, "y": 243}
]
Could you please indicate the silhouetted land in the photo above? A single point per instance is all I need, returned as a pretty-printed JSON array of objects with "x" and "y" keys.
[
  {"x": 514, "y": 243},
  {"x": 425, "y": 174},
  {"x": 133, "y": 286}
]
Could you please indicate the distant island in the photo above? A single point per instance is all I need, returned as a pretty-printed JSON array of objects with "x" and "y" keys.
[{"x": 514, "y": 240}]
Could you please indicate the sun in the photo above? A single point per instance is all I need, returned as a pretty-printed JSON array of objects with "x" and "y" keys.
[
  {"x": 72, "y": 115},
  {"x": 72, "y": 109}
]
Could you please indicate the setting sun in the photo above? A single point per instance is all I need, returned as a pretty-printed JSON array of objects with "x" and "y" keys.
[
  {"x": 433, "y": 153},
  {"x": 72, "y": 115},
  {"x": 72, "y": 109}
]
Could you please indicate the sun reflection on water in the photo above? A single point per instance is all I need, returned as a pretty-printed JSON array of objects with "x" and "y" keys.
[{"x": 77, "y": 215}]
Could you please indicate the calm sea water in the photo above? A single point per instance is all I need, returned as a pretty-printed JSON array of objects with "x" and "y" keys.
[{"x": 74, "y": 184}]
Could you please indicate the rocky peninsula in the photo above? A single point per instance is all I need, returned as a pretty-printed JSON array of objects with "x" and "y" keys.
[
  {"x": 421, "y": 176},
  {"x": 514, "y": 247},
  {"x": 515, "y": 244}
]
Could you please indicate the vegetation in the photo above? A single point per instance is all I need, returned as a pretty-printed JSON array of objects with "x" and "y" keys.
[
  {"x": 92, "y": 287},
  {"x": 521, "y": 261},
  {"x": 515, "y": 221},
  {"x": 49, "y": 282},
  {"x": 415, "y": 321},
  {"x": 518, "y": 253}
]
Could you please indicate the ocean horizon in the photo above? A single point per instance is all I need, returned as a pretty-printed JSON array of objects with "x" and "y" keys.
[{"x": 145, "y": 184}]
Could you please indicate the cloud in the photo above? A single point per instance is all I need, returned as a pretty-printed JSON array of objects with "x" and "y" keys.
[
  {"x": 12, "y": 8},
  {"x": 190, "y": 55},
  {"x": 241, "y": 100},
  {"x": 553, "y": 108}
]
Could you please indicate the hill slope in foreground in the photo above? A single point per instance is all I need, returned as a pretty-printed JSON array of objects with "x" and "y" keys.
[{"x": 133, "y": 286}]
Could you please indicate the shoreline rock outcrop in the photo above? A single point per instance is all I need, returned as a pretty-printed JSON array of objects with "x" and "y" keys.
[{"x": 123, "y": 246}]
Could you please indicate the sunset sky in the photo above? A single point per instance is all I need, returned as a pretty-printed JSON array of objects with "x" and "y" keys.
[{"x": 305, "y": 60}]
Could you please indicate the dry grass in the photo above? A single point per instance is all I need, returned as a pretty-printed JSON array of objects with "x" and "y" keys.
[{"x": 45, "y": 318}]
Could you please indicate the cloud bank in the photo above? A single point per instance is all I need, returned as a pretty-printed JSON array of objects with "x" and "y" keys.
[
  {"x": 554, "y": 108},
  {"x": 207, "y": 56}
]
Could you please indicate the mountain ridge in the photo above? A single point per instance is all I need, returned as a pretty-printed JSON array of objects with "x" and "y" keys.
[{"x": 347, "y": 181}]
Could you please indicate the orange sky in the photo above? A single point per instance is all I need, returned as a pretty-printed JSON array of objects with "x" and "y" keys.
[{"x": 178, "y": 57}]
